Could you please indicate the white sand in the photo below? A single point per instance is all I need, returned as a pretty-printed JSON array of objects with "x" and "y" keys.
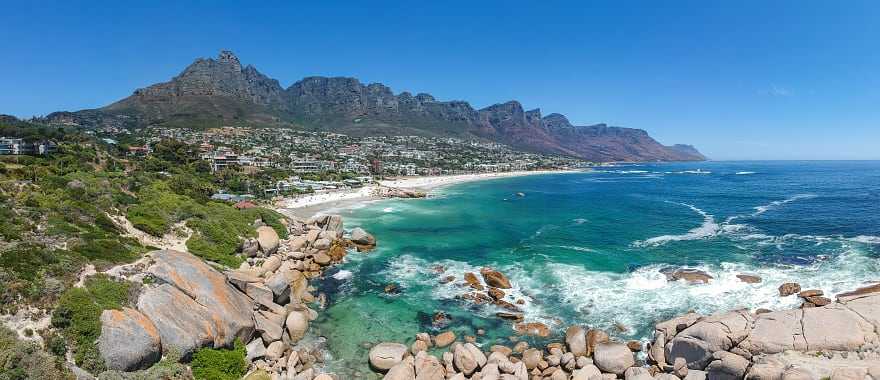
[
  {"x": 335, "y": 198},
  {"x": 332, "y": 196},
  {"x": 432, "y": 182}
]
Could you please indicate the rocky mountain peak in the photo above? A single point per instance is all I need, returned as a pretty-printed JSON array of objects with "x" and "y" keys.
[{"x": 228, "y": 57}]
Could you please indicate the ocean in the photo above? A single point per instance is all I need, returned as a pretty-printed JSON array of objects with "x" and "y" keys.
[{"x": 591, "y": 248}]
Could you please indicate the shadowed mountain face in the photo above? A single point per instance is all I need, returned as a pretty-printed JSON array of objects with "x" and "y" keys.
[{"x": 220, "y": 92}]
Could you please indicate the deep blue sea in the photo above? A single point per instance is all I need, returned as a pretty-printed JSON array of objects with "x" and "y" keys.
[{"x": 590, "y": 247}]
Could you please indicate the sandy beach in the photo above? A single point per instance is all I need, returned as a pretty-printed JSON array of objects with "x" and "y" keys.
[{"x": 307, "y": 205}]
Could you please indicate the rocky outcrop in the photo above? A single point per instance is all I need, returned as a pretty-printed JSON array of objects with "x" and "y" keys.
[
  {"x": 228, "y": 311},
  {"x": 770, "y": 345},
  {"x": 129, "y": 341}
]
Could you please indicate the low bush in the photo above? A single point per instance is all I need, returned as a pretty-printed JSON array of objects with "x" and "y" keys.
[
  {"x": 21, "y": 360},
  {"x": 78, "y": 315},
  {"x": 223, "y": 364}
]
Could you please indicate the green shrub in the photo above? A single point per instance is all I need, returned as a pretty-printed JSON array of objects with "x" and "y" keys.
[
  {"x": 78, "y": 315},
  {"x": 223, "y": 364},
  {"x": 24, "y": 360}
]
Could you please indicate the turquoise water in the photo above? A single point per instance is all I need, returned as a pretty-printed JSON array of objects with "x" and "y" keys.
[{"x": 589, "y": 248}]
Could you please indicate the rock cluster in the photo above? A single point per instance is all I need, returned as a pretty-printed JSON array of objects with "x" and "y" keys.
[
  {"x": 264, "y": 302},
  {"x": 799, "y": 343},
  {"x": 585, "y": 354}
]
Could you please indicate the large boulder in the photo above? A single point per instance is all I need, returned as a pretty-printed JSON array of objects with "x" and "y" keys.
[
  {"x": 464, "y": 360},
  {"x": 495, "y": 278},
  {"x": 401, "y": 371},
  {"x": 334, "y": 224},
  {"x": 720, "y": 332},
  {"x": 576, "y": 340},
  {"x": 129, "y": 341},
  {"x": 613, "y": 358},
  {"x": 361, "y": 237},
  {"x": 268, "y": 239},
  {"x": 727, "y": 366},
  {"x": 297, "y": 324},
  {"x": 834, "y": 327},
  {"x": 227, "y": 309},
  {"x": 181, "y": 321},
  {"x": 385, "y": 355}
]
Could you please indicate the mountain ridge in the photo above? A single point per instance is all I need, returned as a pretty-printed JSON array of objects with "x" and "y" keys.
[{"x": 217, "y": 92}]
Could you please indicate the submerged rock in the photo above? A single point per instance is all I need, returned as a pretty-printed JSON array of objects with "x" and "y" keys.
[
  {"x": 359, "y": 236},
  {"x": 789, "y": 288}
]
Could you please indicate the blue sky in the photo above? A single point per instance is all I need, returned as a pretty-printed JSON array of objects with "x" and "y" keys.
[{"x": 740, "y": 80}]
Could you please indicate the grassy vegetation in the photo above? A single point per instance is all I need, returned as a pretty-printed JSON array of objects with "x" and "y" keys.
[
  {"x": 211, "y": 364},
  {"x": 21, "y": 360},
  {"x": 169, "y": 368},
  {"x": 78, "y": 316}
]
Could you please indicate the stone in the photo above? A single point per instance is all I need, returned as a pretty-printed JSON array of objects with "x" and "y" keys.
[
  {"x": 472, "y": 280},
  {"x": 228, "y": 310},
  {"x": 765, "y": 371},
  {"x": 297, "y": 324},
  {"x": 259, "y": 293},
  {"x": 613, "y": 358},
  {"x": 322, "y": 259},
  {"x": 691, "y": 276},
  {"x": 594, "y": 338},
  {"x": 695, "y": 374},
  {"x": 811, "y": 293},
  {"x": 464, "y": 360},
  {"x": 657, "y": 351},
  {"x": 636, "y": 373},
  {"x": 180, "y": 320},
  {"x": 718, "y": 332},
  {"x": 269, "y": 325},
  {"x": 129, "y": 341},
  {"x": 401, "y": 371},
  {"x": 359, "y": 236},
  {"x": 240, "y": 278},
  {"x": 334, "y": 224},
  {"x": 250, "y": 247},
  {"x": 385, "y": 355},
  {"x": 576, "y": 340},
  {"x": 496, "y": 293},
  {"x": 749, "y": 279},
  {"x": 789, "y": 288},
  {"x": 679, "y": 367},
  {"x": 834, "y": 327},
  {"x": 429, "y": 368},
  {"x": 532, "y": 328},
  {"x": 727, "y": 366},
  {"x": 634, "y": 345},
  {"x": 322, "y": 244},
  {"x": 444, "y": 339},
  {"x": 268, "y": 240},
  {"x": 279, "y": 284},
  {"x": 531, "y": 357},
  {"x": 798, "y": 373},
  {"x": 255, "y": 349},
  {"x": 275, "y": 350},
  {"x": 588, "y": 372},
  {"x": 818, "y": 300},
  {"x": 418, "y": 346},
  {"x": 495, "y": 278}
]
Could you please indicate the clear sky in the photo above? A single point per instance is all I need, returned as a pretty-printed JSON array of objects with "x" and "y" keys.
[{"x": 738, "y": 79}]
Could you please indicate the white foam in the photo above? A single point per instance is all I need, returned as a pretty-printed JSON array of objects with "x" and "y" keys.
[
  {"x": 579, "y": 221},
  {"x": 388, "y": 209},
  {"x": 745, "y": 173},
  {"x": 644, "y": 296},
  {"x": 866, "y": 239},
  {"x": 775, "y": 204},
  {"x": 342, "y": 275},
  {"x": 572, "y": 247},
  {"x": 708, "y": 229}
]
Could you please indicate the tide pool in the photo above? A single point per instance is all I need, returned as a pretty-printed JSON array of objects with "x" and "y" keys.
[{"x": 590, "y": 248}]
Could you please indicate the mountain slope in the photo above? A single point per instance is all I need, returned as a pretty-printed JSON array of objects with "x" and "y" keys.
[{"x": 218, "y": 92}]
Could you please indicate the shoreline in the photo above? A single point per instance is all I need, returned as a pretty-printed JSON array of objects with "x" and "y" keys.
[{"x": 310, "y": 205}]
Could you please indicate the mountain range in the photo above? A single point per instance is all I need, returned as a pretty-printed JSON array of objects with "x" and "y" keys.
[{"x": 222, "y": 92}]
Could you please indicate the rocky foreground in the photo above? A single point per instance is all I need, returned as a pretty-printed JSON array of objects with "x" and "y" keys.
[
  {"x": 823, "y": 339},
  {"x": 189, "y": 304}
]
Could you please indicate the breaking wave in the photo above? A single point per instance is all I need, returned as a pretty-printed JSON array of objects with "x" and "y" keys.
[{"x": 708, "y": 229}]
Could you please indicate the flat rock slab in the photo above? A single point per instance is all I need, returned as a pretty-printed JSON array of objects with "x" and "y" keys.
[
  {"x": 129, "y": 341},
  {"x": 228, "y": 310}
]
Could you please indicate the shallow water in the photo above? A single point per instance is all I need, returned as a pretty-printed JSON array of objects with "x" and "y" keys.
[{"x": 589, "y": 247}]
